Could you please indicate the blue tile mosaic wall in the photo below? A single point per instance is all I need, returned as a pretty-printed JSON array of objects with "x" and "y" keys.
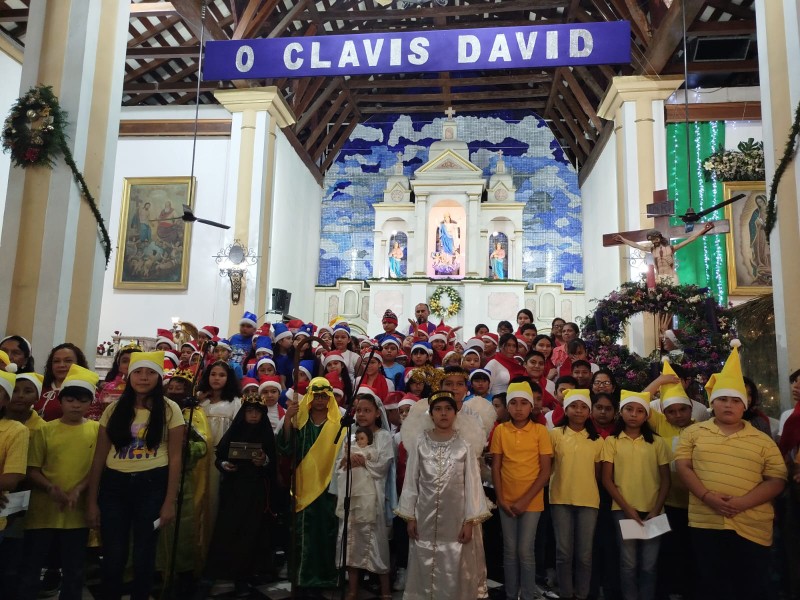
[{"x": 546, "y": 182}]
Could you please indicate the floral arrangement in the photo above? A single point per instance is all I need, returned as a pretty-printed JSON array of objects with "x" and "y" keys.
[
  {"x": 105, "y": 348},
  {"x": 744, "y": 164},
  {"x": 448, "y": 309},
  {"x": 34, "y": 135},
  {"x": 704, "y": 335}
]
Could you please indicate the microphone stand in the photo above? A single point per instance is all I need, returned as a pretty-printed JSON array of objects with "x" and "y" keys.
[
  {"x": 345, "y": 424},
  {"x": 298, "y": 353},
  {"x": 192, "y": 402}
]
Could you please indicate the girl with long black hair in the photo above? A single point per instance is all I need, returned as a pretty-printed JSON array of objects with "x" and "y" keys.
[{"x": 133, "y": 483}]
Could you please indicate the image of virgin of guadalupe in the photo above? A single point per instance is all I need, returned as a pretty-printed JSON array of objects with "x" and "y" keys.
[
  {"x": 760, "y": 261},
  {"x": 448, "y": 248}
]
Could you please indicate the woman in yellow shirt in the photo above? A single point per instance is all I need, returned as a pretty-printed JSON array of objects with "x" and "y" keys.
[{"x": 133, "y": 484}]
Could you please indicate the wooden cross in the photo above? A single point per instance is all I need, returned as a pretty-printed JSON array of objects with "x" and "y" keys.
[
  {"x": 450, "y": 112},
  {"x": 661, "y": 210}
]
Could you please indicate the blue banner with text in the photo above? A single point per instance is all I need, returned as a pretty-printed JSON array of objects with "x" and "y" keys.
[{"x": 538, "y": 46}]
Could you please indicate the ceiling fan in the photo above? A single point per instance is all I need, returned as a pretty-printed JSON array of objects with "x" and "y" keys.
[
  {"x": 188, "y": 217},
  {"x": 693, "y": 217}
]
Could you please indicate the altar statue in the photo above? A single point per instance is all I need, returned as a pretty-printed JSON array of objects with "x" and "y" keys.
[
  {"x": 448, "y": 248},
  {"x": 497, "y": 258},
  {"x": 396, "y": 261},
  {"x": 448, "y": 233}
]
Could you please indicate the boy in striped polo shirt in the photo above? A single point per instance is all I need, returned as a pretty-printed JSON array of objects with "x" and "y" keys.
[{"x": 733, "y": 472}]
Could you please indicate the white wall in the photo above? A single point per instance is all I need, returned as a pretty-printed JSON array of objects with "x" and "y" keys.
[
  {"x": 10, "y": 74},
  {"x": 741, "y": 131},
  {"x": 294, "y": 251},
  {"x": 206, "y": 299},
  {"x": 601, "y": 272}
]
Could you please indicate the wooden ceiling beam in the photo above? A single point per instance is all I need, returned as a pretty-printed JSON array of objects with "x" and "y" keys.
[
  {"x": 343, "y": 137},
  {"x": 302, "y": 102},
  {"x": 466, "y": 107},
  {"x": 456, "y": 97},
  {"x": 152, "y": 9},
  {"x": 572, "y": 125},
  {"x": 190, "y": 12},
  {"x": 303, "y": 119},
  {"x": 580, "y": 96},
  {"x": 568, "y": 142},
  {"x": 726, "y": 6},
  {"x": 361, "y": 83},
  {"x": 291, "y": 15},
  {"x": 400, "y": 14},
  {"x": 163, "y": 52},
  {"x": 557, "y": 77},
  {"x": 668, "y": 35},
  {"x": 153, "y": 30},
  {"x": 715, "y": 28},
  {"x": 249, "y": 29},
  {"x": 13, "y": 15},
  {"x": 169, "y": 88},
  {"x": 317, "y": 151},
  {"x": 588, "y": 79},
  {"x": 324, "y": 121},
  {"x": 390, "y": 26}
]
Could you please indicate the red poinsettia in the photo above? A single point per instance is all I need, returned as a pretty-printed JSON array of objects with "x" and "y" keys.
[{"x": 32, "y": 154}]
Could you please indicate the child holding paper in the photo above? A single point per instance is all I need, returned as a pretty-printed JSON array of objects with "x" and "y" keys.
[{"x": 636, "y": 475}]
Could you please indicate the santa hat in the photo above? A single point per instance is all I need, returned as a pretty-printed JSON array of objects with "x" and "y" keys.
[
  {"x": 209, "y": 330},
  {"x": 336, "y": 383},
  {"x": 324, "y": 329},
  {"x": 369, "y": 355},
  {"x": 571, "y": 396},
  {"x": 393, "y": 400},
  {"x": 146, "y": 360},
  {"x": 521, "y": 341},
  {"x": 9, "y": 366},
  {"x": 390, "y": 339},
  {"x": 280, "y": 331},
  {"x": 264, "y": 343},
  {"x": 36, "y": 379},
  {"x": 164, "y": 336},
  {"x": 265, "y": 361},
  {"x": 422, "y": 346},
  {"x": 224, "y": 343},
  {"x": 406, "y": 402},
  {"x": 365, "y": 390},
  {"x": 389, "y": 317},
  {"x": 249, "y": 318},
  {"x": 302, "y": 331},
  {"x": 473, "y": 343},
  {"x": 728, "y": 382},
  {"x": 491, "y": 337},
  {"x": 262, "y": 331},
  {"x": 669, "y": 334},
  {"x": 86, "y": 379},
  {"x": 472, "y": 351},
  {"x": 294, "y": 324},
  {"x": 7, "y": 382},
  {"x": 448, "y": 354},
  {"x": 482, "y": 372},
  {"x": 643, "y": 398},
  {"x": 248, "y": 382},
  {"x": 170, "y": 360},
  {"x": 268, "y": 381},
  {"x": 672, "y": 393},
  {"x": 190, "y": 344},
  {"x": 332, "y": 356},
  {"x": 519, "y": 390},
  {"x": 439, "y": 334},
  {"x": 307, "y": 367}
]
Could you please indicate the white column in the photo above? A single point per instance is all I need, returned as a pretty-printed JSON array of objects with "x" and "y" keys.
[
  {"x": 778, "y": 35},
  {"x": 382, "y": 259},
  {"x": 519, "y": 248},
  {"x": 484, "y": 250},
  {"x": 473, "y": 235},
  {"x": 418, "y": 259}
]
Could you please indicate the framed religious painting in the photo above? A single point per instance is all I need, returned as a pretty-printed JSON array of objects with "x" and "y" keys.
[
  {"x": 747, "y": 245},
  {"x": 153, "y": 244}
]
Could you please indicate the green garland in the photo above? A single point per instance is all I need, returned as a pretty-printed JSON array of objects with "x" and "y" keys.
[
  {"x": 435, "y": 302},
  {"x": 788, "y": 155},
  {"x": 33, "y": 133}
]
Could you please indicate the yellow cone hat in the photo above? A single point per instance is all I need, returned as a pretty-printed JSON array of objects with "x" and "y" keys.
[
  {"x": 729, "y": 382},
  {"x": 82, "y": 378},
  {"x": 643, "y": 398},
  {"x": 672, "y": 393},
  {"x": 7, "y": 382}
]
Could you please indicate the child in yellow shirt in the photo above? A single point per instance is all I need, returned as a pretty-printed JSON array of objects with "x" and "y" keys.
[{"x": 59, "y": 460}]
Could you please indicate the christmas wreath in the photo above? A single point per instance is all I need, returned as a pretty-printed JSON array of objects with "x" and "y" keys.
[
  {"x": 33, "y": 133},
  {"x": 448, "y": 309},
  {"x": 704, "y": 335}
]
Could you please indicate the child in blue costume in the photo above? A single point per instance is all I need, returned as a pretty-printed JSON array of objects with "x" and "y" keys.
[{"x": 242, "y": 342}]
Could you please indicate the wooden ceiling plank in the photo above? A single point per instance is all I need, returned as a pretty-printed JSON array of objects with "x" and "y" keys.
[
  {"x": 317, "y": 151},
  {"x": 302, "y": 103},
  {"x": 489, "y": 80},
  {"x": 343, "y": 137},
  {"x": 291, "y": 15},
  {"x": 588, "y": 79},
  {"x": 398, "y": 14},
  {"x": 553, "y": 89},
  {"x": 578, "y": 114},
  {"x": 580, "y": 96},
  {"x": 460, "y": 96},
  {"x": 152, "y": 9},
  {"x": 729, "y": 7},
  {"x": 303, "y": 119},
  {"x": 668, "y": 35},
  {"x": 13, "y": 15},
  {"x": 152, "y": 30},
  {"x": 243, "y": 21},
  {"x": 569, "y": 120},
  {"x": 163, "y": 52},
  {"x": 466, "y": 107},
  {"x": 325, "y": 121},
  {"x": 190, "y": 12},
  {"x": 568, "y": 143}
]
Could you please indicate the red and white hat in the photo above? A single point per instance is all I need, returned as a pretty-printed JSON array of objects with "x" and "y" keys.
[
  {"x": 164, "y": 336},
  {"x": 223, "y": 343},
  {"x": 491, "y": 337},
  {"x": 390, "y": 339},
  {"x": 268, "y": 381},
  {"x": 265, "y": 361},
  {"x": 170, "y": 360},
  {"x": 248, "y": 382},
  {"x": 393, "y": 400},
  {"x": 332, "y": 356},
  {"x": 474, "y": 343},
  {"x": 209, "y": 330}
]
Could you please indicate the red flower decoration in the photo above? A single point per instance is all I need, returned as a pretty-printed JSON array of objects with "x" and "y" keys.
[{"x": 32, "y": 154}]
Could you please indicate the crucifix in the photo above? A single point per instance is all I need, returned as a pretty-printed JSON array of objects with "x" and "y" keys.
[
  {"x": 657, "y": 242},
  {"x": 450, "y": 112}
]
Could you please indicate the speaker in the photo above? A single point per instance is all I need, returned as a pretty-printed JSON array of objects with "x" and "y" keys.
[{"x": 281, "y": 299}]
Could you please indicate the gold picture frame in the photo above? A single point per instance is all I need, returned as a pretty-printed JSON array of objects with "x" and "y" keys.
[
  {"x": 747, "y": 244},
  {"x": 153, "y": 242}
]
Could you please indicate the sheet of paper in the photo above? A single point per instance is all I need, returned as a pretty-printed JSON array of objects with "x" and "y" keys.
[
  {"x": 631, "y": 530},
  {"x": 17, "y": 502}
]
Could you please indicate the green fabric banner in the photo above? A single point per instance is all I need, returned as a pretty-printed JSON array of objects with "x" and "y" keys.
[{"x": 704, "y": 262}]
